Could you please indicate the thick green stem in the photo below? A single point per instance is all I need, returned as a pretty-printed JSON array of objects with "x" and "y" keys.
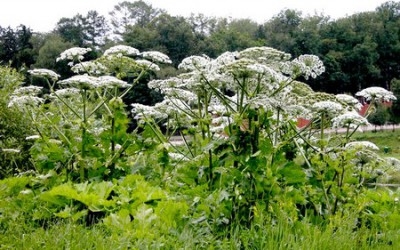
[{"x": 83, "y": 138}]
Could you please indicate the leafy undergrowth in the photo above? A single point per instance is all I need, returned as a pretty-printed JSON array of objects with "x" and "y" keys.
[{"x": 69, "y": 235}]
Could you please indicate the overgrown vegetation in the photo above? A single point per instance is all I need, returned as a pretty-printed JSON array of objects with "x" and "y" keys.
[{"x": 243, "y": 174}]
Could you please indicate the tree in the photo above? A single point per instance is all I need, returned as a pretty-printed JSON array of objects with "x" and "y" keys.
[
  {"x": 395, "y": 108},
  {"x": 126, "y": 14},
  {"x": 51, "y": 49},
  {"x": 16, "y": 47},
  {"x": 379, "y": 117},
  {"x": 89, "y": 30}
]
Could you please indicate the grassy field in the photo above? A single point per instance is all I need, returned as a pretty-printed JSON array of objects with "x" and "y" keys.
[{"x": 388, "y": 139}]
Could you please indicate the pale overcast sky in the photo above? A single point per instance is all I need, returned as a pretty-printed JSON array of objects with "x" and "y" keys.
[{"x": 42, "y": 15}]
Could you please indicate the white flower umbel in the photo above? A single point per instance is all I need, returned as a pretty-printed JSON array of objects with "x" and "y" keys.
[
  {"x": 73, "y": 54},
  {"x": 26, "y": 100},
  {"x": 67, "y": 92},
  {"x": 91, "y": 67},
  {"x": 32, "y": 137},
  {"x": 194, "y": 63},
  {"x": 349, "y": 100},
  {"x": 141, "y": 111},
  {"x": 361, "y": 145},
  {"x": 44, "y": 73},
  {"x": 111, "y": 82},
  {"x": 156, "y": 56},
  {"x": 122, "y": 50},
  {"x": 266, "y": 55},
  {"x": 327, "y": 107},
  {"x": 349, "y": 120},
  {"x": 81, "y": 82},
  {"x": 306, "y": 65},
  {"x": 28, "y": 90},
  {"x": 147, "y": 65},
  {"x": 376, "y": 94},
  {"x": 10, "y": 150}
]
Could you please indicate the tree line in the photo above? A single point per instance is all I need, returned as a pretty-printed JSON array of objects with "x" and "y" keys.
[{"x": 358, "y": 51}]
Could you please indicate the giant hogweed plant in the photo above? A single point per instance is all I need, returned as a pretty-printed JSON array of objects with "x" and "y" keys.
[
  {"x": 82, "y": 124},
  {"x": 237, "y": 114},
  {"x": 241, "y": 153}
]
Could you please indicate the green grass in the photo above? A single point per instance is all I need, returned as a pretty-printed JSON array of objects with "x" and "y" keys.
[
  {"x": 382, "y": 138},
  {"x": 297, "y": 235}
]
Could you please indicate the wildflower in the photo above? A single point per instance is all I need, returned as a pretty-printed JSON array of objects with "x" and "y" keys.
[
  {"x": 81, "y": 82},
  {"x": 194, "y": 63},
  {"x": 177, "y": 157},
  {"x": 21, "y": 101},
  {"x": 327, "y": 107},
  {"x": 29, "y": 91},
  {"x": 307, "y": 65},
  {"x": 122, "y": 50},
  {"x": 349, "y": 120},
  {"x": 111, "y": 81},
  {"x": 90, "y": 67},
  {"x": 26, "y": 191},
  {"x": 156, "y": 56},
  {"x": 141, "y": 111},
  {"x": 148, "y": 65},
  {"x": 10, "y": 150},
  {"x": 44, "y": 73},
  {"x": 73, "y": 54},
  {"x": 67, "y": 92},
  {"x": 361, "y": 145},
  {"x": 225, "y": 58},
  {"x": 264, "y": 54},
  {"x": 32, "y": 137},
  {"x": 376, "y": 94},
  {"x": 349, "y": 100}
]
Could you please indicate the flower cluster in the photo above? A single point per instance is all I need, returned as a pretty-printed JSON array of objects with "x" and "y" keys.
[
  {"x": 156, "y": 56},
  {"x": 148, "y": 65},
  {"x": 66, "y": 93},
  {"x": 376, "y": 94},
  {"x": 349, "y": 120},
  {"x": 192, "y": 63},
  {"x": 28, "y": 90},
  {"x": 44, "y": 73},
  {"x": 360, "y": 145},
  {"x": 111, "y": 82},
  {"x": 81, "y": 82},
  {"x": 90, "y": 67},
  {"x": 327, "y": 107},
  {"x": 122, "y": 50},
  {"x": 73, "y": 54},
  {"x": 306, "y": 65},
  {"x": 349, "y": 100}
]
